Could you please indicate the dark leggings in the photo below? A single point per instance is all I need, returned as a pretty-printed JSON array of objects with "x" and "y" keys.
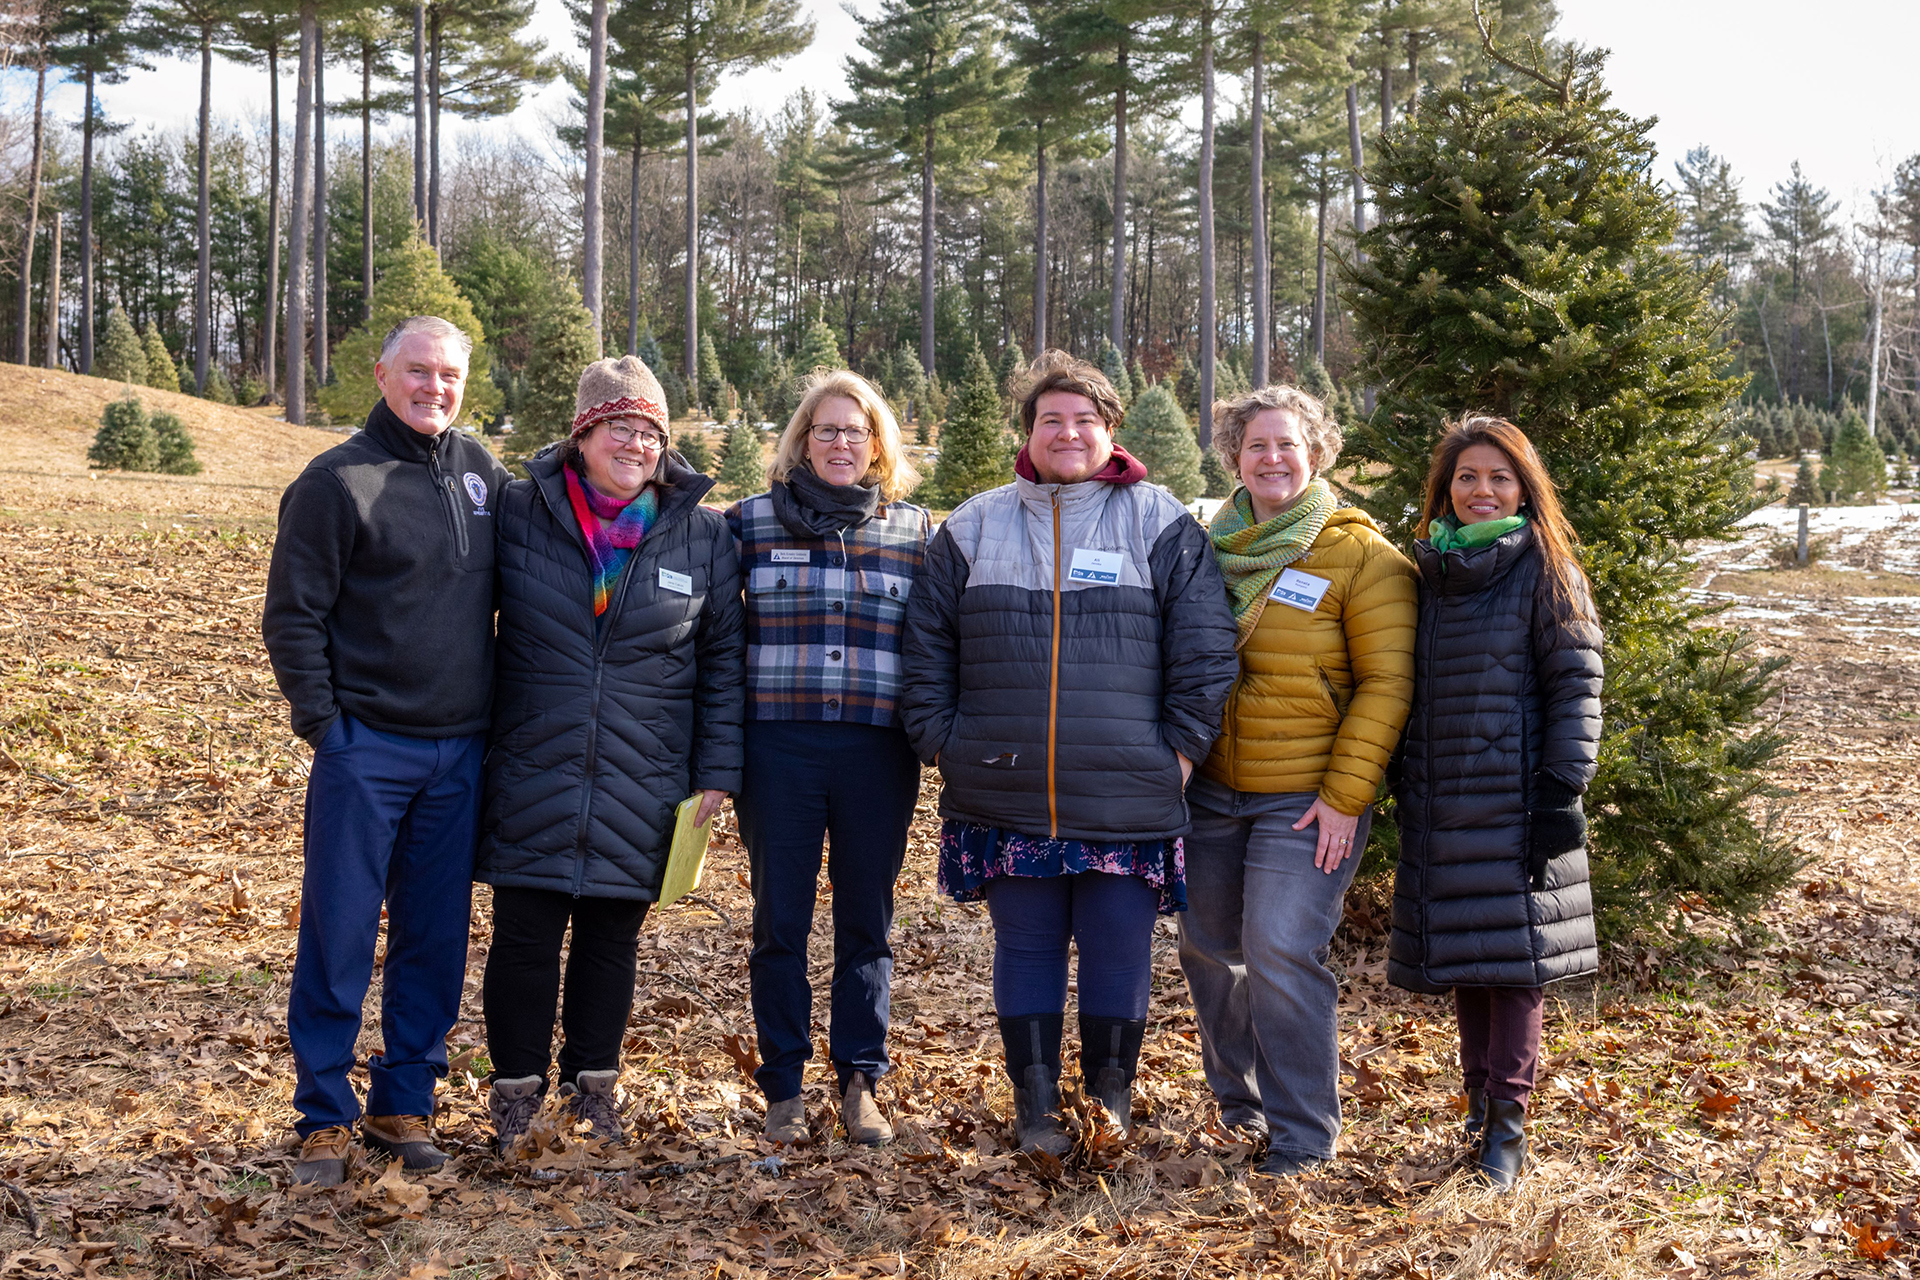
[
  {"x": 1110, "y": 918},
  {"x": 1499, "y": 1038},
  {"x": 522, "y": 983}
]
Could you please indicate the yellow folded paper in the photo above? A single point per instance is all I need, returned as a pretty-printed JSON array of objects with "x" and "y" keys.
[{"x": 688, "y": 856}]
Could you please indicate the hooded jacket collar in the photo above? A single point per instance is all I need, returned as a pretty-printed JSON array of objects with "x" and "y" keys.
[
  {"x": 680, "y": 486},
  {"x": 396, "y": 437},
  {"x": 1121, "y": 468},
  {"x": 1463, "y": 571}
]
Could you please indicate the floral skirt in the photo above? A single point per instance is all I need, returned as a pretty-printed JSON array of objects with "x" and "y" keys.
[{"x": 972, "y": 854}]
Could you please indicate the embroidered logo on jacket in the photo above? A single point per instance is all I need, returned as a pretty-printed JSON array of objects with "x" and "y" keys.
[{"x": 476, "y": 488}]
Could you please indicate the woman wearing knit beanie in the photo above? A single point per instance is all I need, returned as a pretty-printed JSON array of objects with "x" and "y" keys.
[
  {"x": 618, "y": 694},
  {"x": 830, "y": 553},
  {"x": 1282, "y": 806}
]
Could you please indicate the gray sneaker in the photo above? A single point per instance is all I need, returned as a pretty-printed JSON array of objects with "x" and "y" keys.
[
  {"x": 591, "y": 1099},
  {"x": 512, "y": 1104}
]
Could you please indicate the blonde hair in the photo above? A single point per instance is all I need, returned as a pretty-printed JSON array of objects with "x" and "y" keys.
[
  {"x": 1230, "y": 419},
  {"x": 890, "y": 470}
]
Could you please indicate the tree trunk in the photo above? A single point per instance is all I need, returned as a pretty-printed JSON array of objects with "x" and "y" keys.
[
  {"x": 366, "y": 179},
  {"x": 926, "y": 251},
  {"x": 692, "y": 354},
  {"x": 1040, "y": 245},
  {"x": 592, "y": 281},
  {"x": 1207, "y": 319},
  {"x": 1116, "y": 307},
  {"x": 319, "y": 209},
  {"x": 1413, "y": 73},
  {"x": 1873, "y": 368},
  {"x": 203, "y": 275},
  {"x": 1320, "y": 275},
  {"x": 433, "y": 134},
  {"x": 1386, "y": 90},
  {"x": 419, "y": 114},
  {"x": 24, "y": 347},
  {"x": 53, "y": 294},
  {"x": 269, "y": 348},
  {"x": 633, "y": 249},
  {"x": 86, "y": 228},
  {"x": 1262, "y": 289},
  {"x": 299, "y": 237},
  {"x": 1353, "y": 150}
]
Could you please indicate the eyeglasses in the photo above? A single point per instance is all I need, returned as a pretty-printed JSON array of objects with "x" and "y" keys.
[
  {"x": 620, "y": 433},
  {"x": 826, "y": 432}
]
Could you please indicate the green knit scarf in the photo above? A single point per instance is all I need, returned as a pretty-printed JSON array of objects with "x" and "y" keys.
[
  {"x": 1447, "y": 532},
  {"x": 1252, "y": 555}
]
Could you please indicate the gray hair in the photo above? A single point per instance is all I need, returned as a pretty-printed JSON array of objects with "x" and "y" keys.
[
  {"x": 432, "y": 326},
  {"x": 1231, "y": 417}
]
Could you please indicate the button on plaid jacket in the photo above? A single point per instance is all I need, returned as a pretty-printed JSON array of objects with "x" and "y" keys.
[{"x": 824, "y": 615}]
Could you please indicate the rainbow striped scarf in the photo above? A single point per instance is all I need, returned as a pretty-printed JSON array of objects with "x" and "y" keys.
[{"x": 613, "y": 527}]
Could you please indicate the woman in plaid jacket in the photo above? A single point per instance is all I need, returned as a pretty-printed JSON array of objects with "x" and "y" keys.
[{"x": 828, "y": 556}]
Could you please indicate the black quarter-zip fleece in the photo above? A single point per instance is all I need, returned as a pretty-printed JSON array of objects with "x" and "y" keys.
[{"x": 380, "y": 595}]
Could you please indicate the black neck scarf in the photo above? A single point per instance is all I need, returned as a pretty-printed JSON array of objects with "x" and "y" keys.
[{"x": 810, "y": 507}]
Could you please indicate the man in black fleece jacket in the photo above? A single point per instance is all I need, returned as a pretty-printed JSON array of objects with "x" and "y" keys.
[{"x": 379, "y": 623}]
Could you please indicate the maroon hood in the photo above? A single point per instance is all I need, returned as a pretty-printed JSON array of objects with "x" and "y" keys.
[{"x": 1121, "y": 468}]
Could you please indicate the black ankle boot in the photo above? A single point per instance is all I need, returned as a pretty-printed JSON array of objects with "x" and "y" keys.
[
  {"x": 1503, "y": 1144},
  {"x": 1109, "y": 1056},
  {"x": 1476, "y": 1118},
  {"x": 1032, "y": 1045}
]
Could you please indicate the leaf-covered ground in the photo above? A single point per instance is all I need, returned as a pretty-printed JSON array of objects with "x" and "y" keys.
[{"x": 1726, "y": 1104}]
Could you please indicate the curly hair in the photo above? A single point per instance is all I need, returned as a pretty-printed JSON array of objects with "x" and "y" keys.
[
  {"x": 1055, "y": 370},
  {"x": 1230, "y": 419}
]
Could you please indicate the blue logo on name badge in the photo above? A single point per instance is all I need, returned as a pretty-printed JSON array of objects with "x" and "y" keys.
[{"x": 476, "y": 488}]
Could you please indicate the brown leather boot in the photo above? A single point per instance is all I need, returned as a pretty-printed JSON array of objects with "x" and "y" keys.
[
  {"x": 323, "y": 1157},
  {"x": 404, "y": 1137},
  {"x": 787, "y": 1122},
  {"x": 861, "y": 1114},
  {"x": 591, "y": 1098}
]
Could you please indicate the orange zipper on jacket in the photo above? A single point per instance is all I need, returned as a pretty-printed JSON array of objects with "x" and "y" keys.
[{"x": 1053, "y": 679}]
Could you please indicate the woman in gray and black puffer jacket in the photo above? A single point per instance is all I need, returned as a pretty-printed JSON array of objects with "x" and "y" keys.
[{"x": 1492, "y": 897}]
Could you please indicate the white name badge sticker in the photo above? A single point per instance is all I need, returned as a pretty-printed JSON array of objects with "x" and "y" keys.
[
  {"x": 1094, "y": 566},
  {"x": 1301, "y": 590},
  {"x": 784, "y": 555},
  {"x": 680, "y": 583}
]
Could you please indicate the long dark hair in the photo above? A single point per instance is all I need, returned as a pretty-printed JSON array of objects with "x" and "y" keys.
[{"x": 1541, "y": 501}]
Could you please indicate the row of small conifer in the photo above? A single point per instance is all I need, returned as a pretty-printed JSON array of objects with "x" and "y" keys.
[{"x": 131, "y": 439}]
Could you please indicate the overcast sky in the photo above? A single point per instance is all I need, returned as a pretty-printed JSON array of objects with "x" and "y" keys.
[{"x": 1763, "y": 82}]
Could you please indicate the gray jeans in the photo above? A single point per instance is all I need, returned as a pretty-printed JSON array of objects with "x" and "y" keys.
[{"x": 1253, "y": 944}]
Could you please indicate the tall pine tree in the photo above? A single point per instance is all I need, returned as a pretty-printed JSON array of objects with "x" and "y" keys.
[{"x": 1520, "y": 265}]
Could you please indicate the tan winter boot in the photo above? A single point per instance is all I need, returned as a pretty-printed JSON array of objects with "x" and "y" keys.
[
  {"x": 861, "y": 1114},
  {"x": 787, "y": 1122},
  {"x": 405, "y": 1137},
  {"x": 323, "y": 1157}
]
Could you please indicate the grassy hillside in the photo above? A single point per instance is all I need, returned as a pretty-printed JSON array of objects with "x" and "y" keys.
[{"x": 47, "y": 420}]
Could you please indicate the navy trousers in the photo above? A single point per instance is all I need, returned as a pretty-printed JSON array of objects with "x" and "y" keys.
[
  {"x": 1109, "y": 917},
  {"x": 389, "y": 819},
  {"x": 856, "y": 785}
]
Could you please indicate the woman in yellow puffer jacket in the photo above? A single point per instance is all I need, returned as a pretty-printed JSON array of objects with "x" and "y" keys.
[{"x": 1326, "y": 612}]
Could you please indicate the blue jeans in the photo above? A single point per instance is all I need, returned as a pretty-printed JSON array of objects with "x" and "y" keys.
[
  {"x": 1110, "y": 918},
  {"x": 1253, "y": 943},
  {"x": 388, "y": 819},
  {"x": 856, "y": 785}
]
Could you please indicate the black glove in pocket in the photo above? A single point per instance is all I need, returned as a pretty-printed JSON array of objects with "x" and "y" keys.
[{"x": 1556, "y": 824}]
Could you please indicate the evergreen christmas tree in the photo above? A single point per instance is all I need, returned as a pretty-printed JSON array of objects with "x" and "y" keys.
[
  {"x": 908, "y": 392},
  {"x": 161, "y": 374},
  {"x": 1157, "y": 433},
  {"x": 1317, "y": 382},
  {"x": 692, "y": 444},
  {"x": 414, "y": 285},
  {"x": 1114, "y": 365},
  {"x": 1806, "y": 487},
  {"x": 125, "y": 440},
  {"x": 1013, "y": 363},
  {"x": 974, "y": 453},
  {"x": 120, "y": 356},
  {"x": 1521, "y": 264},
  {"x": 743, "y": 463},
  {"x": 1138, "y": 376},
  {"x": 1214, "y": 473},
  {"x": 563, "y": 345},
  {"x": 1184, "y": 379},
  {"x": 1856, "y": 471},
  {"x": 1902, "y": 471},
  {"x": 818, "y": 349},
  {"x": 712, "y": 379},
  {"x": 219, "y": 390},
  {"x": 671, "y": 382},
  {"x": 174, "y": 447}
]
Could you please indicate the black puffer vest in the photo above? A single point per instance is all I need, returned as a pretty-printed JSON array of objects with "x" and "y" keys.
[
  {"x": 1506, "y": 688},
  {"x": 598, "y": 733}
]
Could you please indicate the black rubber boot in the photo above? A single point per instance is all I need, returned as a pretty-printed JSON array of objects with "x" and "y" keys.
[
  {"x": 1032, "y": 1045},
  {"x": 1503, "y": 1144},
  {"x": 1476, "y": 1118},
  {"x": 1109, "y": 1057}
]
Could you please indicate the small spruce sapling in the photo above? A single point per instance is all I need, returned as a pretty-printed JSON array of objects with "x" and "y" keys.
[
  {"x": 173, "y": 445},
  {"x": 161, "y": 375},
  {"x": 1159, "y": 435},
  {"x": 120, "y": 356},
  {"x": 125, "y": 441},
  {"x": 743, "y": 464}
]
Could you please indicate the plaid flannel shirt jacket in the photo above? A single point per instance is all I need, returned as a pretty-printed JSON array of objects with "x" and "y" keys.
[{"x": 824, "y": 615}]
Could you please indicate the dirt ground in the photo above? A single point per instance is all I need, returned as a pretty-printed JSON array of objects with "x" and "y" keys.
[{"x": 1730, "y": 1103}]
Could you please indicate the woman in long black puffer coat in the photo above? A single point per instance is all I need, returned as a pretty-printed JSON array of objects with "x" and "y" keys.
[{"x": 1492, "y": 899}]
